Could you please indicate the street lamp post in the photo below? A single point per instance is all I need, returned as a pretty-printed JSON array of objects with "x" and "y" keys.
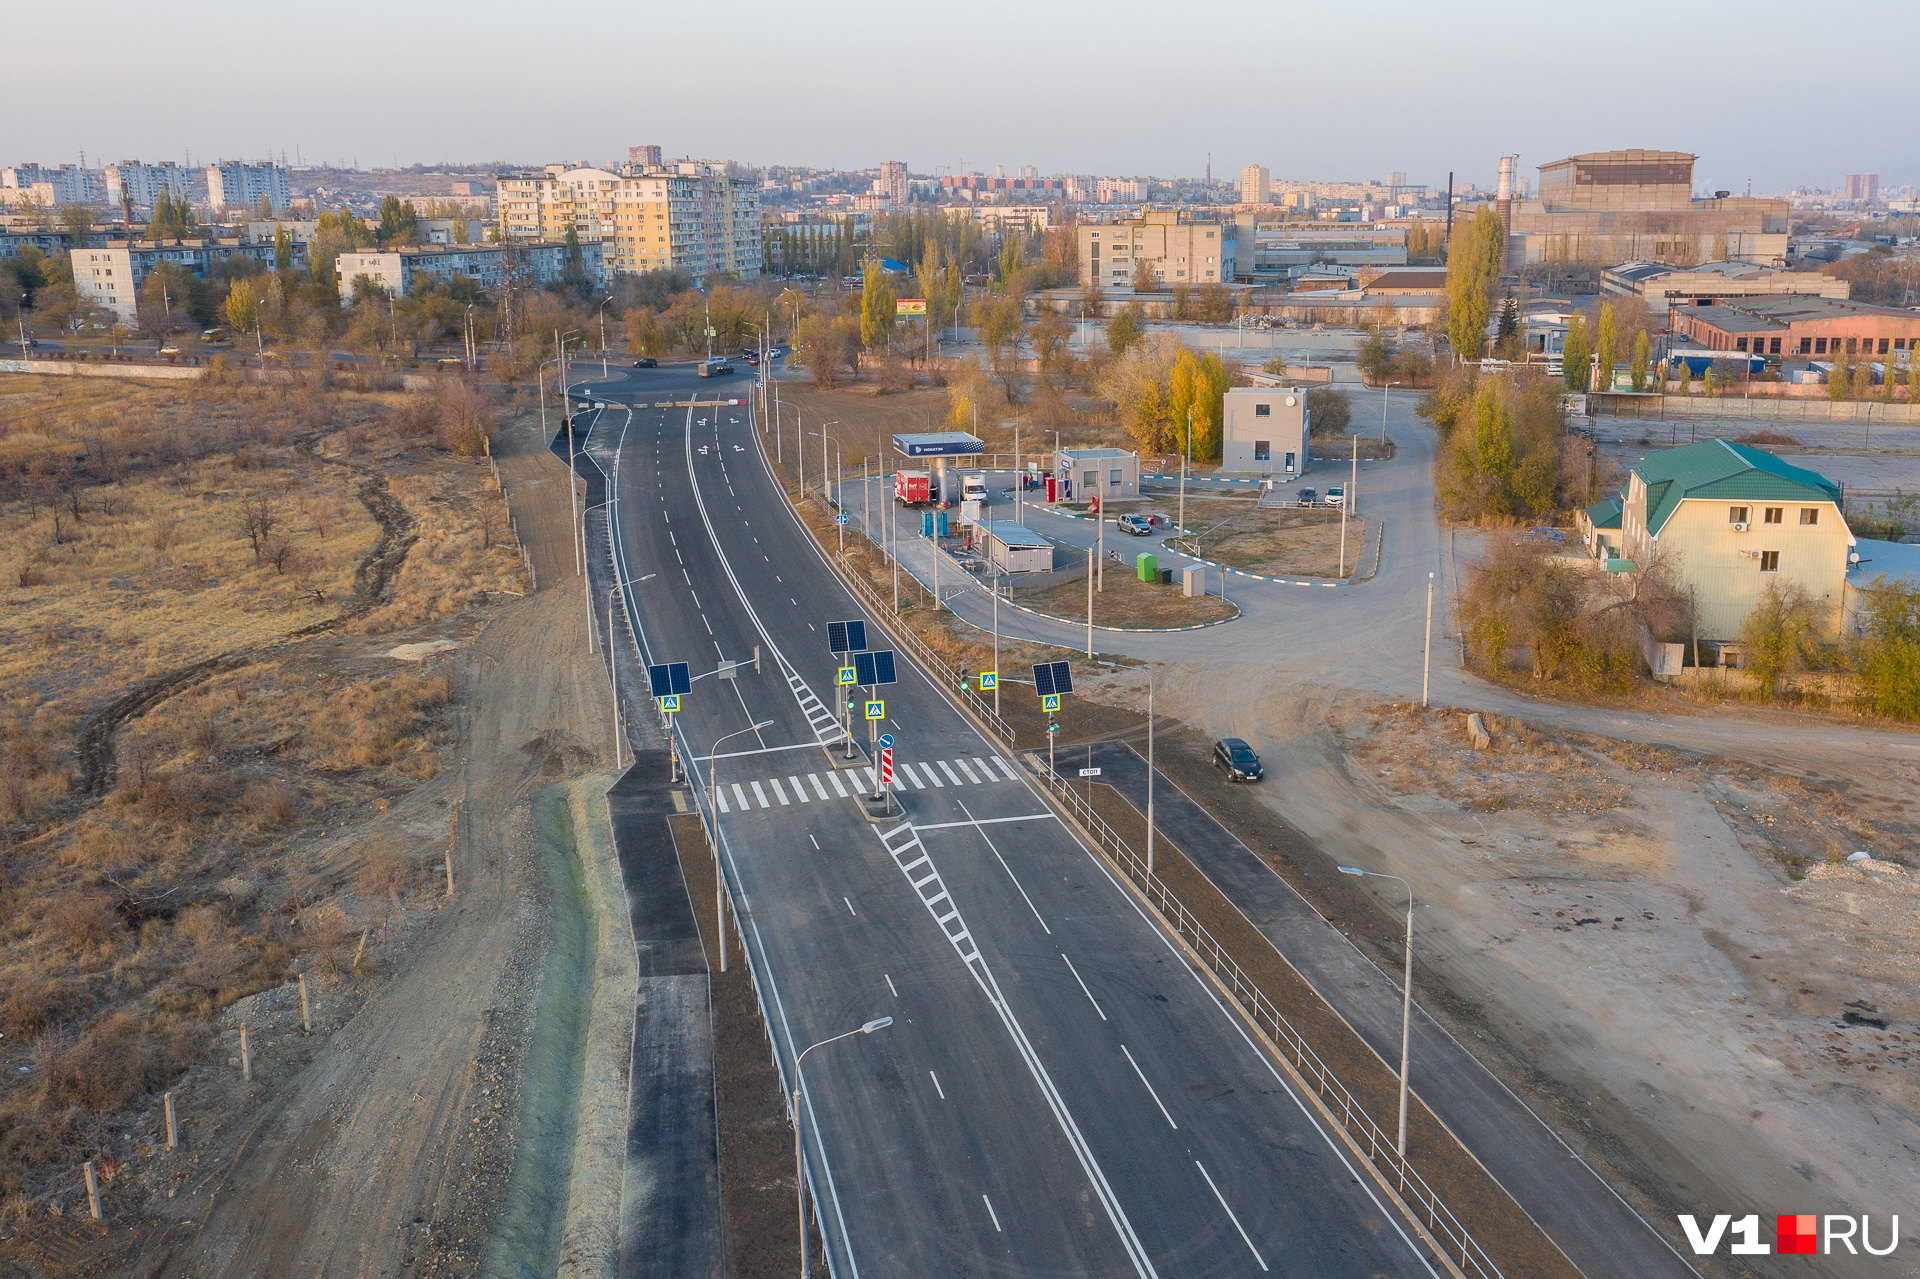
[
  {"x": 1406, "y": 999},
  {"x": 1383, "y": 409},
  {"x": 603, "y": 337},
  {"x": 1426, "y": 655},
  {"x": 713, "y": 814},
  {"x": 799, "y": 1168}
]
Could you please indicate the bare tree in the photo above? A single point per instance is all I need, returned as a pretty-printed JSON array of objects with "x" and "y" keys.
[
  {"x": 258, "y": 519},
  {"x": 490, "y": 519}
]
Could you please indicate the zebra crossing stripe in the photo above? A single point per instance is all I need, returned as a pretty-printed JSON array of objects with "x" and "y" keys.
[
  {"x": 948, "y": 770},
  {"x": 933, "y": 776},
  {"x": 799, "y": 791},
  {"x": 967, "y": 771},
  {"x": 721, "y": 796},
  {"x": 759, "y": 794},
  {"x": 985, "y": 772},
  {"x": 1005, "y": 769},
  {"x": 779, "y": 791},
  {"x": 835, "y": 779},
  {"x": 906, "y": 770},
  {"x": 741, "y": 796},
  {"x": 815, "y": 779}
]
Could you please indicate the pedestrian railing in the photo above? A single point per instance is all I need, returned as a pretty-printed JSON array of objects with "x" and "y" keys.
[{"x": 1336, "y": 1100}]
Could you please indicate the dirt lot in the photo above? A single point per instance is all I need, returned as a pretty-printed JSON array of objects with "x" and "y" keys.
[
  {"x": 285, "y": 812},
  {"x": 1127, "y": 601}
]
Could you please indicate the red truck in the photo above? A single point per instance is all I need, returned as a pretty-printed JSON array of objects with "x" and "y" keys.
[{"x": 913, "y": 488}]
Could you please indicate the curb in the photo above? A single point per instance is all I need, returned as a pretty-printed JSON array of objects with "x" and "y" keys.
[{"x": 1125, "y": 630}]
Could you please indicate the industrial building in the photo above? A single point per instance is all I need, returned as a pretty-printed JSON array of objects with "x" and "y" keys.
[
  {"x": 1629, "y": 206},
  {"x": 1667, "y": 286},
  {"x": 1175, "y": 248},
  {"x": 1271, "y": 248},
  {"x": 1801, "y": 327}
]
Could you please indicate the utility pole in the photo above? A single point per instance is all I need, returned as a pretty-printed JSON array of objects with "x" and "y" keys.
[{"x": 1426, "y": 656}]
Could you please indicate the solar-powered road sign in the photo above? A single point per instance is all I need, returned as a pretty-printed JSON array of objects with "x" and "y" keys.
[
  {"x": 669, "y": 678},
  {"x": 876, "y": 710},
  {"x": 847, "y": 637},
  {"x": 1052, "y": 677},
  {"x": 1050, "y": 702},
  {"x": 847, "y": 675},
  {"x": 875, "y": 668}
]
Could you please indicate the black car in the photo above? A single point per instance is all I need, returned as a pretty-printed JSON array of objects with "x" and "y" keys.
[
  {"x": 1307, "y": 497},
  {"x": 1236, "y": 759},
  {"x": 646, "y": 362}
]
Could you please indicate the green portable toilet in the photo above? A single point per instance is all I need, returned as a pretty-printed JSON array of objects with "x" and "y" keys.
[{"x": 1147, "y": 566}]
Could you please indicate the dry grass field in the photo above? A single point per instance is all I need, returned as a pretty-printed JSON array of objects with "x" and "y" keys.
[{"x": 197, "y": 587}]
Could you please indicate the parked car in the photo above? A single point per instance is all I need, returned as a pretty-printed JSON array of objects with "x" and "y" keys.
[
  {"x": 1307, "y": 497},
  {"x": 1138, "y": 525},
  {"x": 1236, "y": 759},
  {"x": 713, "y": 368},
  {"x": 646, "y": 362},
  {"x": 1337, "y": 495}
]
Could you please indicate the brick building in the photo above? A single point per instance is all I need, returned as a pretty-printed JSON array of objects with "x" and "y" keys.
[{"x": 1801, "y": 327}]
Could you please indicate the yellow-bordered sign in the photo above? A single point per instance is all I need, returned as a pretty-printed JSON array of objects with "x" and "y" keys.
[
  {"x": 910, "y": 306},
  {"x": 876, "y": 710}
]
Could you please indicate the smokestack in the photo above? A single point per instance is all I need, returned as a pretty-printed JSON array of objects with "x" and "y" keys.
[{"x": 1505, "y": 190}]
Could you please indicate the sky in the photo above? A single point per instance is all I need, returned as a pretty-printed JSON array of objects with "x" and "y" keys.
[{"x": 1322, "y": 91}]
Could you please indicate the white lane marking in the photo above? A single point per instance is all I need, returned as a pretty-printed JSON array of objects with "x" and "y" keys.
[
  {"x": 984, "y": 770},
  {"x": 779, "y": 791},
  {"x": 759, "y": 794},
  {"x": 818, "y": 788},
  {"x": 850, "y": 909},
  {"x": 816, "y": 843},
  {"x": 935, "y": 777},
  {"x": 741, "y": 796},
  {"x": 704, "y": 622},
  {"x": 968, "y": 771},
  {"x": 1230, "y": 1217},
  {"x": 988, "y": 821},
  {"x": 1010, "y": 875},
  {"x": 677, "y": 556},
  {"x": 948, "y": 770},
  {"x": 991, "y": 1213},
  {"x": 906, "y": 770},
  {"x": 1150, "y": 1092},
  {"x": 835, "y": 779},
  {"x": 799, "y": 791},
  {"x": 721, "y": 796},
  {"x": 1083, "y": 988},
  {"x": 896, "y": 994},
  {"x": 936, "y": 1085}
]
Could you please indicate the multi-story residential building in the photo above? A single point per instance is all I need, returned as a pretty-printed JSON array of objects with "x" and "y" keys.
[
  {"x": 688, "y": 216},
  {"x": 111, "y": 276},
  {"x": 1176, "y": 249},
  {"x": 398, "y": 270},
  {"x": 999, "y": 219},
  {"x": 1255, "y": 183},
  {"x": 644, "y": 157},
  {"x": 1863, "y": 188},
  {"x": 49, "y": 188},
  {"x": 234, "y": 185},
  {"x": 138, "y": 185},
  {"x": 894, "y": 183},
  {"x": 1119, "y": 191}
]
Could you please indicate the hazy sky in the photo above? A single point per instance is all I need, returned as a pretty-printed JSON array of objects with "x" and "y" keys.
[{"x": 1777, "y": 93}]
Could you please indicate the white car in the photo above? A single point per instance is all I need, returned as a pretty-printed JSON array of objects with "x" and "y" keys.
[{"x": 1336, "y": 495}]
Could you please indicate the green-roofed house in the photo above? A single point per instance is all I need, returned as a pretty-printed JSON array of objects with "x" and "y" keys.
[{"x": 1727, "y": 520}]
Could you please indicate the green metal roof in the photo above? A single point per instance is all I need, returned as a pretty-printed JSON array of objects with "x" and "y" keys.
[
  {"x": 1604, "y": 514},
  {"x": 1719, "y": 470}
]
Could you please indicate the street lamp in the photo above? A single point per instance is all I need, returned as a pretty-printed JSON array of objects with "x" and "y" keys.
[
  {"x": 713, "y": 812},
  {"x": 1406, "y": 998},
  {"x": 799, "y": 1169},
  {"x": 603, "y": 336},
  {"x": 1383, "y": 409},
  {"x": 824, "y": 488}
]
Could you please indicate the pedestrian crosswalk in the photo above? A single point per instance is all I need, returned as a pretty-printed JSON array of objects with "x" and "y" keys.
[{"x": 810, "y": 788}]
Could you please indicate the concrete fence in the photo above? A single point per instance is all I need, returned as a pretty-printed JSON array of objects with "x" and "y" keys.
[{"x": 1759, "y": 407}]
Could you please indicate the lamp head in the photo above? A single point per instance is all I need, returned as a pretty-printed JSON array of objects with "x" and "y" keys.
[
  {"x": 879, "y": 1023},
  {"x": 1351, "y": 870}
]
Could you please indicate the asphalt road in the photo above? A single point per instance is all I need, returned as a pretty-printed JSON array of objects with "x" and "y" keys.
[{"x": 1060, "y": 1093}]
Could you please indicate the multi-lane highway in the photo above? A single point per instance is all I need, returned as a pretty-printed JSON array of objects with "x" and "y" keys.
[{"x": 1059, "y": 1092}]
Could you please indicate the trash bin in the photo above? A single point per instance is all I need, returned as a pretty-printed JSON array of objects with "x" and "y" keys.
[
  {"x": 1166, "y": 577},
  {"x": 926, "y": 524},
  {"x": 940, "y": 523},
  {"x": 1193, "y": 580},
  {"x": 1147, "y": 566}
]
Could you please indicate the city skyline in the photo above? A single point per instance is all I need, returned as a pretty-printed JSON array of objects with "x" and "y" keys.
[{"x": 1329, "y": 103}]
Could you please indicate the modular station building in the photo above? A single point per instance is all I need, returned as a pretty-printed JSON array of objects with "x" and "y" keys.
[
  {"x": 1109, "y": 474},
  {"x": 1015, "y": 548}
]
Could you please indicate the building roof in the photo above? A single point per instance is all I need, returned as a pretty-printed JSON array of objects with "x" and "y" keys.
[
  {"x": 1718, "y": 469},
  {"x": 1088, "y": 455},
  {"x": 1408, "y": 278},
  {"x": 1013, "y": 534},
  {"x": 1800, "y": 308},
  {"x": 1604, "y": 514},
  {"x": 938, "y": 443},
  {"x": 1894, "y": 560}
]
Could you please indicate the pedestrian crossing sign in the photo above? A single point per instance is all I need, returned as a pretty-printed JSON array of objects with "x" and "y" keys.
[
  {"x": 876, "y": 710},
  {"x": 846, "y": 674},
  {"x": 670, "y": 703},
  {"x": 1050, "y": 703},
  {"x": 989, "y": 680}
]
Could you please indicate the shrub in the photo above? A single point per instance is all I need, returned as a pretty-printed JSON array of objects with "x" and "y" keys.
[{"x": 1329, "y": 410}]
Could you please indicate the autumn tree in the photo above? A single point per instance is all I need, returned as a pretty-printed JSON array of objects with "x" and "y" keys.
[
  {"x": 1642, "y": 356},
  {"x": 1607, "y": 347},
  {"x": 1002, "y": 324},
  {"x": 1473, "y": 273},
  {"x": 1125, "y": 329},
  {"x": 1577, "y": 355},
  {"x": 243, "y": 306},
  {"x": 878, "y": 307}
]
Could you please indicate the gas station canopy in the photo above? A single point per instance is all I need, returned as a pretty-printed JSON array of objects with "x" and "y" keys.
[{"x": 938, "y": 444}]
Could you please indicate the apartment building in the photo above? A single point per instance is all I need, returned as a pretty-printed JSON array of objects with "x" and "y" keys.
[
  {"x": 1255, "y": 184},
  {"x": 234, "y": 185},
  {"x": 688, "y": 216},
  {"x": 1178, "y": 250},
  {"x": 138, "y": 185},
  {"x": 894, "y": 183},
  {"x": 49, "y": 188},
  {"x": 111, "y": 276}
]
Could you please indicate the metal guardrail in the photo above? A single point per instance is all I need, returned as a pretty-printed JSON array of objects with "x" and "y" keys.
[
  {"x": 929, "y": 661},
  {"x": 1336, "y": 1101}
]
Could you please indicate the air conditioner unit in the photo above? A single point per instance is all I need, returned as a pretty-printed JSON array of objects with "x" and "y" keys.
[{"x": 1739, "y": 526}]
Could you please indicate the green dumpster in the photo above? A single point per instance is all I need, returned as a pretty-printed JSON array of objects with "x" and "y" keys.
[{"x": 1147, "y": 566}]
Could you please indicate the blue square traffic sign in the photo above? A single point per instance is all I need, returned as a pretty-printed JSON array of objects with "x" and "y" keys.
[{"x": 1050, "y": 703}]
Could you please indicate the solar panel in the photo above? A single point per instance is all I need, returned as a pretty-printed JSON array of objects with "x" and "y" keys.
[
  {"x": 1052, "y": 677},
  {"x": 668, "y": 678},
  {"x": 847, "y": 637},
  {"x": 874, "y": 668}
]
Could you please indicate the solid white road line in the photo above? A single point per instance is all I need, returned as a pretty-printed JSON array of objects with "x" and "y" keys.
[
  {"x": 850, "y": 909},
  {"x": 1150, "y": 1092},
  {"x": 1010, "y": 875},
  {"x": 1230, "y": 1217},
  {"x": 890, "y": 986},
  {"x": 1083, "y": 988},
  {"x": 988, "y": 821},
  {"x": 936, "y": 1085},
  {"x": 991, "y": 1213}
]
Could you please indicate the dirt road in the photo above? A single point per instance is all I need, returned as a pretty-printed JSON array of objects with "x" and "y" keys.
[{"x": 388, "y": 1153}]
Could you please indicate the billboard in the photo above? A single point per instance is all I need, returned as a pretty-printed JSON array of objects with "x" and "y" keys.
[{"x": 910, "y": 306}]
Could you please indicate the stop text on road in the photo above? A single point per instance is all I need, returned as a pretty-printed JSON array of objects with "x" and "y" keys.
[{"x": 1089, "y": 772}]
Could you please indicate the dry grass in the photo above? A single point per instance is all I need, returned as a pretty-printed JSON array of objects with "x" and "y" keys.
[
  {"x": 195, "y": 521},
  {"x": 1128, "y": 602},
  {"x": 1280, "y": 541},
  {"x": 1407, "y": 750}
]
